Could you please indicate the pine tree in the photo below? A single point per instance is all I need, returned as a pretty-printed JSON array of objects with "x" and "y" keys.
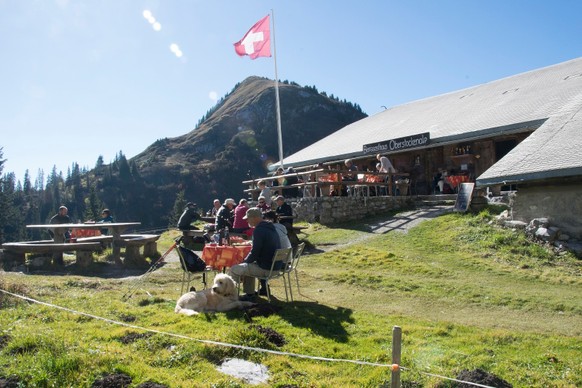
[{"x": 179, "y": 206}]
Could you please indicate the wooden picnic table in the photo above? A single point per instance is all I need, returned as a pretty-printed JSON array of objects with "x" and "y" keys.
[{"x": 116, "y": 229}]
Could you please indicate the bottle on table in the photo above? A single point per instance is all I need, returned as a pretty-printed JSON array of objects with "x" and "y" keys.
[{"x": 226, "y": 237}]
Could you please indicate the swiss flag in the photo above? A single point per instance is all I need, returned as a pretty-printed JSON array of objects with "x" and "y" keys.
[{"x": 257, "y": 42}]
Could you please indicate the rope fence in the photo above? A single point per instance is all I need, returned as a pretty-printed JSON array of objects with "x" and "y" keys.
[{"x": 395, "y": 367}]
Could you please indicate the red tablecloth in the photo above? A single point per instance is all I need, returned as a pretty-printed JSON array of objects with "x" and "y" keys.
[
  {"x": 374, "y": 179},
  {"x": 85, "y": 232},
  {"x": 223, "y": 256},
  {"x": 455, "y": 180}
]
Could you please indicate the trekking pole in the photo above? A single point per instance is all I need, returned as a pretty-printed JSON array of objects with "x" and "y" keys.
[{"x": 133, "y": 287}]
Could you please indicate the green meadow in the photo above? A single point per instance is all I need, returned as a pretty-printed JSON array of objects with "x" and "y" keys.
[{"x": 467, "y": 294}]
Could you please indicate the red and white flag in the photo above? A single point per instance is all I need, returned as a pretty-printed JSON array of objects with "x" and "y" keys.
[{"x": 257, "y": 42}]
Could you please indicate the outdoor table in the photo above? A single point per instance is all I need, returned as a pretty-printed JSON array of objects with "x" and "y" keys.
[
  {"x": 116, "y": 228},
  {"x": 220, "y": 257},
  {"x": 455, "y": 180}
]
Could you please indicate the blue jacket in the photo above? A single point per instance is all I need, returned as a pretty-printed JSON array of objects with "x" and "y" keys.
[{"x": 265, "y": 243}]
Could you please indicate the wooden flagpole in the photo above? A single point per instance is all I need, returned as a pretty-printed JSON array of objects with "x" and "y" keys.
[{"x": 280, "y": 136}]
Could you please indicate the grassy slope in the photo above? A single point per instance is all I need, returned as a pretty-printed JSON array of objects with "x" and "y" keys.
[{"x": 466, "y": 294}]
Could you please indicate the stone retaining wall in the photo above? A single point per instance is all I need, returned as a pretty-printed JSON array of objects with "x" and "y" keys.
[
  {"x": 561, "y": 204},
  {"x": 330, "y": 210}
]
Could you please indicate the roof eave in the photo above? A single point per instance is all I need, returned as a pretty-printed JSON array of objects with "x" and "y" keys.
[{"x": 529, "y": 177}]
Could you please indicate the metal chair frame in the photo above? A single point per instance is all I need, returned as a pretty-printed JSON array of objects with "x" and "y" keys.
[
  {"x": 283, "y": 256},
  {"x": 292, "y": 268},
  {"x": 187, "y": 276}
]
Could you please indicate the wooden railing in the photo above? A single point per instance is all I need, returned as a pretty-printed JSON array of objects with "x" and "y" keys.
[{"x": 311, "y": 181}]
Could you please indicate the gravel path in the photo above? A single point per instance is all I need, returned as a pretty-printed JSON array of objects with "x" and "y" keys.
[{"x": 401, "y": 222}]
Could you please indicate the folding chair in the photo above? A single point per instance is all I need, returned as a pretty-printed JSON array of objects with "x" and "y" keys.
[
  {"x": 292, "y": 267},
  {"x": 191, "y": 264},
  {"x": 278, "y": 267}
]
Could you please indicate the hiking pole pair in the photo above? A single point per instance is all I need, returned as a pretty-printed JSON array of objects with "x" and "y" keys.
[{"x": 137, "y": 282}]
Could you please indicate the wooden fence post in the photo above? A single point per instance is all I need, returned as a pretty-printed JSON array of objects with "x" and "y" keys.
[{"x": 396, "y": 351}]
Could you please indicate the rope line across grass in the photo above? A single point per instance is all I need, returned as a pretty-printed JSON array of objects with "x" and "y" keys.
[{"x": 392, "y": 367}]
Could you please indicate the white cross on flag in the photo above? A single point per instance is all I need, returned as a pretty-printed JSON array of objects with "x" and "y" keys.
[{"x": 257, "y": 42}]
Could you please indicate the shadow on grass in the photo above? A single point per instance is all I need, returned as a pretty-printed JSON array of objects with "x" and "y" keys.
[
  {"x": 325, "y": 321},
  {"x": 106, "y": 270}
]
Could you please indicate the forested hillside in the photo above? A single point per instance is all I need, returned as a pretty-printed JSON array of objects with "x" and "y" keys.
[{"x": 235, "y": 140}]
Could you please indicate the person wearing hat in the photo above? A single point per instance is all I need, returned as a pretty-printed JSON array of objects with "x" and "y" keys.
[
  {"x": 260, "y": 259},
  {"x": 224, "y": 216},
  {"x": 188, "y": 216}
]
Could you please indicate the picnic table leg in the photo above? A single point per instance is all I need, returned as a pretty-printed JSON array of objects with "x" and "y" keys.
[
  {"x": 58, "y": 238},
  {"x": 116, "y": 246},
  {"x": 84, "y": 258}
]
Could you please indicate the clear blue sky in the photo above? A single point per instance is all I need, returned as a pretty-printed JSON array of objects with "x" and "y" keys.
[{"x": 83, "y": 78}]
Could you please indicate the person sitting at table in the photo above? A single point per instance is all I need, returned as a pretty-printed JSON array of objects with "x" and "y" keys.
[
  {"x": 438, "y": 182},
  {"x": 215, "y": 207},
  {"x": 271, "y": 216},
  {"x": 284, "y": 212},
  {"x": 350, "y": 167},
  {"x": 188, "y": 216},
  {"x": 240, "y": 224},
  {"x": 260, "y": 259},
  {"x": 262, "y": 204},
  {"x": 265, "y": 192},
  {"x": 62, "y": 217},
  {"x": 224, "y": 215},
  {"x": 105, "y": 218}
]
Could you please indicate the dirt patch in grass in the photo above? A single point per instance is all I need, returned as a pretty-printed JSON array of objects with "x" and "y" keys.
[
  {"x": 114, "y": 380},
  {"x": 132, "y": 337},
  {"x": 4, "y": 339},
  {"x": 10, "y": 382},
  {"x": 272, "y": 336},
  {"x": 478, "y": 376}
]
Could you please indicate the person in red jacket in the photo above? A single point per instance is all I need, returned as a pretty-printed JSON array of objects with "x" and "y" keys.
[{"x": 240, "y": 224}]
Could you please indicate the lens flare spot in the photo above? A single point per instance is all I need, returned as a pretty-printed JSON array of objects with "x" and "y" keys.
[
  {"x": 213, "y": 96},
  {"x": 157, "y": 26},
  {"x": 147, "y": 14}
]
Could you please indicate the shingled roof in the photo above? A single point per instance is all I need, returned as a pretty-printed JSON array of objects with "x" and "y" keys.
[{"x": 548, "y": 100}]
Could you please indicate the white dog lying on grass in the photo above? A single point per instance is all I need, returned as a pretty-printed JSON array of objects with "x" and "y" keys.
[{"x": 222, "y": 296}]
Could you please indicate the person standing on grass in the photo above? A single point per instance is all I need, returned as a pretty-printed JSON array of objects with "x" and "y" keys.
[{"x": 260, "y": 259}]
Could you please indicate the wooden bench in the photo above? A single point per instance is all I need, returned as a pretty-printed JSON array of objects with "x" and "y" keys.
[
  {"x": 133, "y": 243},
  {"x": 16, "y": 251}
]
